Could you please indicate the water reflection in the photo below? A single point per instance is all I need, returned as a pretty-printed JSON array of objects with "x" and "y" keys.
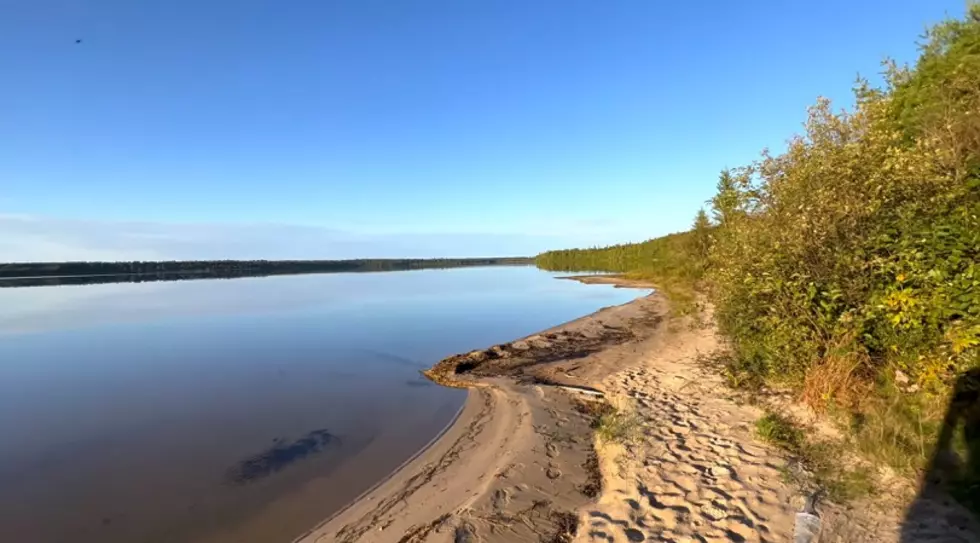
[
  {"x": 27, "y": 310},
  {"x": 217, "y": 411}
]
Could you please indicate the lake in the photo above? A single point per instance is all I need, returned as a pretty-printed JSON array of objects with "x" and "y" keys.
[{"x": 241, "y": 410}]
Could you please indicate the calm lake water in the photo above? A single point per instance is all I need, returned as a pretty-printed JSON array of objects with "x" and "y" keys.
[{"x": 237, "y": 410}]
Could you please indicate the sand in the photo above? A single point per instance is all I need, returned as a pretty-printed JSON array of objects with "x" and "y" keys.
[
  {"x": 513, "y": 465},
  {"x": 694, "y": 473},
  {"x": 522, "y": 464}
]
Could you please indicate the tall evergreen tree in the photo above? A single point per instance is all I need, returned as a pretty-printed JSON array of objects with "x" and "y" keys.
[
  {"x": 701, "y": 235},
  {"x": 725, "y": 202}
]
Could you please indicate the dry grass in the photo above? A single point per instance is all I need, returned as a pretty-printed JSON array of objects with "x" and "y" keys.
[
  {"x": 838, "y": 382},
  {"x": 593, "y": 408},
  {"x": 896, "y": 429}
]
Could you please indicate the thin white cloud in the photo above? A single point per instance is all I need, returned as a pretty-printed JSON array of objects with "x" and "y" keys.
[{"x": 31, "y": 238}]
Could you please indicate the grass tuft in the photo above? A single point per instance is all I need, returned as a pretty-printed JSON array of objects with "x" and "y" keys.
[
  {"x": 815, "y": 464},
  {"x": 610, "y": 423},
  {"x": 781, "y": 432},
  {"x": 616, "y": 426}
]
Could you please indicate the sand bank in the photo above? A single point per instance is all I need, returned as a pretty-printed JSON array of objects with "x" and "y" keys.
[
  {"x": 521, "y": 462},
  {"x": 514, "y": 466}
]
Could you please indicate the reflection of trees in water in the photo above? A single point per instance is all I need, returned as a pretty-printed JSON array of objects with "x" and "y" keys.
[
  {"x": 280, "y": 455},
  {"x": 103, "y": 279},
  {"x": 88, "y": 273},
  {"x": 953, "y": 472}
]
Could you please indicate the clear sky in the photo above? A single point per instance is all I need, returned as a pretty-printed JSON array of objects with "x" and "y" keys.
[{"x": 345, "y": 128}]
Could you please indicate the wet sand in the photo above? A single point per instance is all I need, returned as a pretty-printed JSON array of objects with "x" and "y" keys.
[
  {"x": 519, "y": 461},
  {"x": 522, "y": 464}
]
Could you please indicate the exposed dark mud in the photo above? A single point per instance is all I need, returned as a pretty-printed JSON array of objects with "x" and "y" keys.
[{"x": 552, "y": 357}]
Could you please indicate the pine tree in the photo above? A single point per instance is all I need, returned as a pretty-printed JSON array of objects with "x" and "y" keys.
[
  {"x": 701, "y": 232},
  {"x": 725, "y": 203}
]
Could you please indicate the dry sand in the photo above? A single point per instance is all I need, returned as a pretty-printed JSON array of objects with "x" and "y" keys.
[
  {"x": 694, "y": 473},
  {"x": 521, "y": 464}
]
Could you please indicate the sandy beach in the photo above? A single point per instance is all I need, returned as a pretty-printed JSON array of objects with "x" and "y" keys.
[
  {"x": 521, "y": 462},
  {"x": 514, "y": 464}
]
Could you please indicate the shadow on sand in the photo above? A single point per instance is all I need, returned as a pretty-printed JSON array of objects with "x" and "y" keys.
[{"x": 950, "y": 488}]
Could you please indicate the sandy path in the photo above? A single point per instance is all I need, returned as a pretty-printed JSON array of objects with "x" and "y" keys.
[
  {"x": 694, "y": 473},
  {"x": 697, "y": 473}
]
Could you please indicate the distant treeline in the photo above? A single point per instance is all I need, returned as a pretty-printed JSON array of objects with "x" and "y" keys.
[
  {"x": 674, "y": 262},
  {"x": 76, "y": 273},
  {"x": 674, "y": 252}
]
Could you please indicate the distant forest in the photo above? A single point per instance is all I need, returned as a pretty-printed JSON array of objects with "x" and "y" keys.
[{"x": 82, "y": 273}]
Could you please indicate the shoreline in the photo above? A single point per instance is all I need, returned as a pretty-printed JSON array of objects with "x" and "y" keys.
[
  {"x": 516, "y": 456},
  {"x": 524, "y": 459},
  {"x": 408, "y": 461}
]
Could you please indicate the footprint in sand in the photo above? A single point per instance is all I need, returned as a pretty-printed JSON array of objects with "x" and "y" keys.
[
  {"x": 500, "y": 499},
  {"x": 696, "y": 474},
  {"x": 634, "y": 535},
  {"x": 552, "y": 450},
  {"x": 714, "y": 512},
  {"x": 721, "y": 471},
  {"x": 466, "y": 533},
  {"x": 598, "y": 534}
]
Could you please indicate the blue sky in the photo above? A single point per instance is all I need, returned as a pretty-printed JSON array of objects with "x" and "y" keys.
[{"x": 336, "y": 129}]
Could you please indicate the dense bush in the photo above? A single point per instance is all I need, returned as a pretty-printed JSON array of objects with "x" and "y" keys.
[
  {"x": 857, "y": 249},
  {"x": 848, "y": 267}
]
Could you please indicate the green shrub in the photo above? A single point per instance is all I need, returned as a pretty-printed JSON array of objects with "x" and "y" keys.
[
  {"x": 614, "y": 425},
  {"x": 780, "y": 431},
  {"x": 851, "y": 258},
  {"x": 856, "y": 253}
]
